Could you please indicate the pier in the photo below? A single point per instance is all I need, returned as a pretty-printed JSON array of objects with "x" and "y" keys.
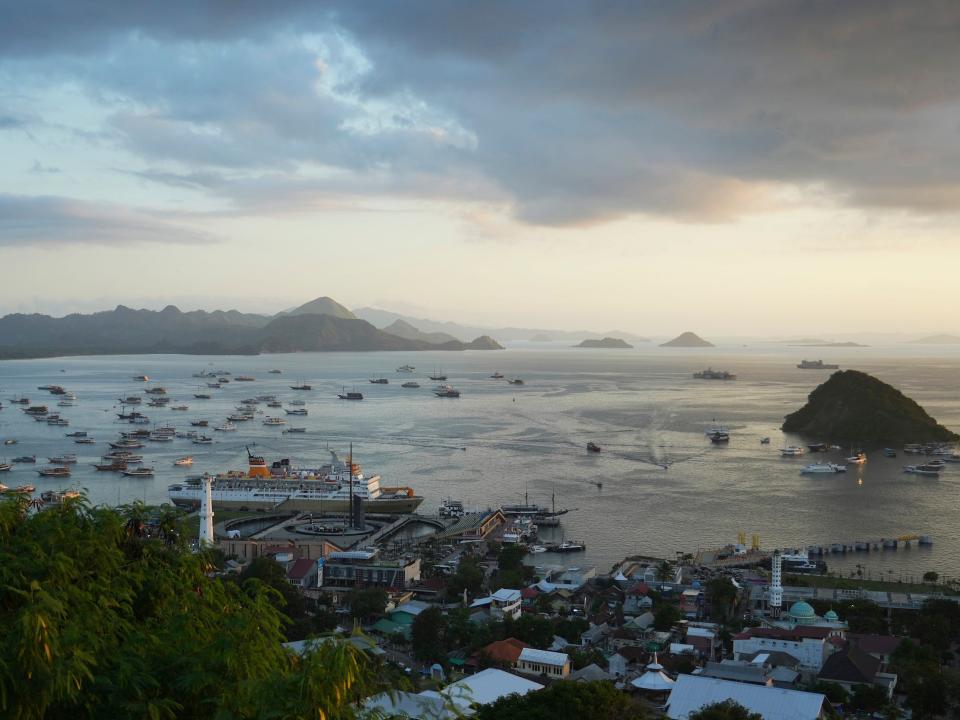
[{"x": 740, "y": 556}]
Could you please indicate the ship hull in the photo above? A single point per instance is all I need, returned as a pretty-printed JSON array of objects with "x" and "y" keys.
[{"x": 390, "y": 506}]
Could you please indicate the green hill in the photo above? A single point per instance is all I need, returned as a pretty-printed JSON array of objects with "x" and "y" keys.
[{"x": 857, "y": 407}]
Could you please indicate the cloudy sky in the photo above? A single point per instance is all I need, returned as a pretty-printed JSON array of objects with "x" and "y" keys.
[{"x": 746, "y": 166}]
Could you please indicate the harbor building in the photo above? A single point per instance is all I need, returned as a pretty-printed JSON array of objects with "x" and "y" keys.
[{"x": 365, "y": 568}]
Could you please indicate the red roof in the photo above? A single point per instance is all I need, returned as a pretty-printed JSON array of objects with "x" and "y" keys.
[
  {"x": 507, "y": 650},
  {"x": 301, "y": 568},
  {"x": 875, "y": 644},
  {"x": 529, "y": 593},
  {"x": 640, "y": 589},
  {"x": 800, "y": 632},
  {"x": 837, "y": 641}
]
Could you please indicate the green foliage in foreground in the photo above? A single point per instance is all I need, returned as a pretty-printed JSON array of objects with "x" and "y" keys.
[
  {"x": 566, "y": 699},
  {"x": 101, "y": 623},
  {"x": 726, "y": 710}
]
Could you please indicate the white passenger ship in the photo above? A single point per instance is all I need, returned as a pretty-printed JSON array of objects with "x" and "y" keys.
[{"x": 281, "y": 486}]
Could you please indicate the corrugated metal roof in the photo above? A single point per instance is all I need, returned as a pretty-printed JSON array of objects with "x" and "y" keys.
[
  {"x": 691, "y": 692},
  {"x": 543, "y": 656}
]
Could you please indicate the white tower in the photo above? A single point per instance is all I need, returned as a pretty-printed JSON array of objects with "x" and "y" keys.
[
  {"x": 206, "y": 512},
  {"x": 776, "y": 586}
]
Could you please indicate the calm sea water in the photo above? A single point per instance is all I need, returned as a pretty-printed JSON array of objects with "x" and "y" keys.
[{"x": 499, "y": 441}]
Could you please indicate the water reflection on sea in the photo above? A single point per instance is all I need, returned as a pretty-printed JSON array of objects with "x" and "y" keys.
[{"x": 500, "y": 441}]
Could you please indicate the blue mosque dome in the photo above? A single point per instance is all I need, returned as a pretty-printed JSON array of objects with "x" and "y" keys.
[{"x": 802, "y": 613}]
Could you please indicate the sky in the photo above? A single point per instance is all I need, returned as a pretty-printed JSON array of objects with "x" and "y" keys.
[{"x": 746, "y": 167}]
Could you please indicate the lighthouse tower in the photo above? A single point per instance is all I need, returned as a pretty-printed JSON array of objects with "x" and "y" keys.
[
  {"x": 206, "y": 512},
  {"x": 776, "y": 584}
]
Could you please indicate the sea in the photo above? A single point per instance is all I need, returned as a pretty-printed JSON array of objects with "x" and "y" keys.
[{"x": 659, "y": 487}]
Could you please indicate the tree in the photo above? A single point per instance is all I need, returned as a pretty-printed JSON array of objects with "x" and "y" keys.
[
  {"x": 832, "y": 691},
  {"x": 469, "y": 576},
  {"x": 427, "y": 635},
  {"x": 366, "y": 602},
  {"x": 722, "y": 595},
  {"x": 931, "y": 576},
  {"x": 101, "y": 623},
  {"x": 531, "y": 629},
  {"x": 726, "y": 710},
  {"x": 664, "y": 570},
  {"x": 565, "y": 699},
  {"x": 511, "y": 557},
  {"x": 665, "y": 615}
]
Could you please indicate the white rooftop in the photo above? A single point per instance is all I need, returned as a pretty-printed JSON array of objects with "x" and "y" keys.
[
  {"x": 456, "y": 700},
  {"x": 506, "y": 595},
  {"x": 692, "y": 692},
  {"x": 700, "y": 632},
  {"x": 488, "y": 686},
  {"x": 546, "y": 657}
]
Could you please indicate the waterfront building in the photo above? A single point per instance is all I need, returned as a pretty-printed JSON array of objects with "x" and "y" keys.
[{"x": 365, "y": 568}]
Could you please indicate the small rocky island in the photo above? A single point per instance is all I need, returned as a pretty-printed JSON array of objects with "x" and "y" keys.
[
  {"x": 687, "y": 339},
  {"x": 857, "y": 407},
  {"x": 607, "y": 342}
]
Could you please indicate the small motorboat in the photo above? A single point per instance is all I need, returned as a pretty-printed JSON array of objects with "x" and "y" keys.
[
  {"x": 764, "y": 441},
  {"x": 65, "y": 459},
  {"x": 77, "y": 434},
  {"x": 406, "y": 369},
  {"x": 85, "y": 441},
  {"x": 180, "y": 408},
  {"x": 516, "y": 381},
  {"x": 5, "y": 467},
  {"x": 496, "y": 376},
  {"x": 25, "y": 459},
  {"x": 184, "y": 461},
  {"x": 792, "y": 451},
  {"x": 348, "y": 396},
  {"x": 536, "y": 549},
  {"x": 295, "y": 430},
  {"x": 10, "y": 441},
  {"x": 411, "y": 384},
  {"x": 858, "y": 458},
  {"x": 226, "y": 427},
  {"x": 593, "y": 447},
  {"x": 917, "y": 470},
  {"x": 274, "y": 371},
  {"x": 380, "y": 381},
  {"x": 297, "y": 411},
  {"x": 199, "y": 423},
  {"x": 139, "y": 472},
  {"x": 204, "y": 440},
  {"x": 202, "y": 396},
  {"x": 273, "y": 421}
]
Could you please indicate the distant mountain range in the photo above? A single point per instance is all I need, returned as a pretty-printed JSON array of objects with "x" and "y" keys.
[
  {"x": 384, "y": 318},
  {"x": 319, "y": 325}
]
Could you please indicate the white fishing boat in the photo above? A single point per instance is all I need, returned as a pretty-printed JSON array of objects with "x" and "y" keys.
[{"x": 792, "y": 451}]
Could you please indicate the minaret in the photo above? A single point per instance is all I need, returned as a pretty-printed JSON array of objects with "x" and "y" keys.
[
  {"x": 206, "y": 512},
  {"x": 776, "y": 586}
]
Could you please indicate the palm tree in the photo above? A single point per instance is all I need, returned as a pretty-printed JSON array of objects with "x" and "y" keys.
[{"x": 136, "y": 515}]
